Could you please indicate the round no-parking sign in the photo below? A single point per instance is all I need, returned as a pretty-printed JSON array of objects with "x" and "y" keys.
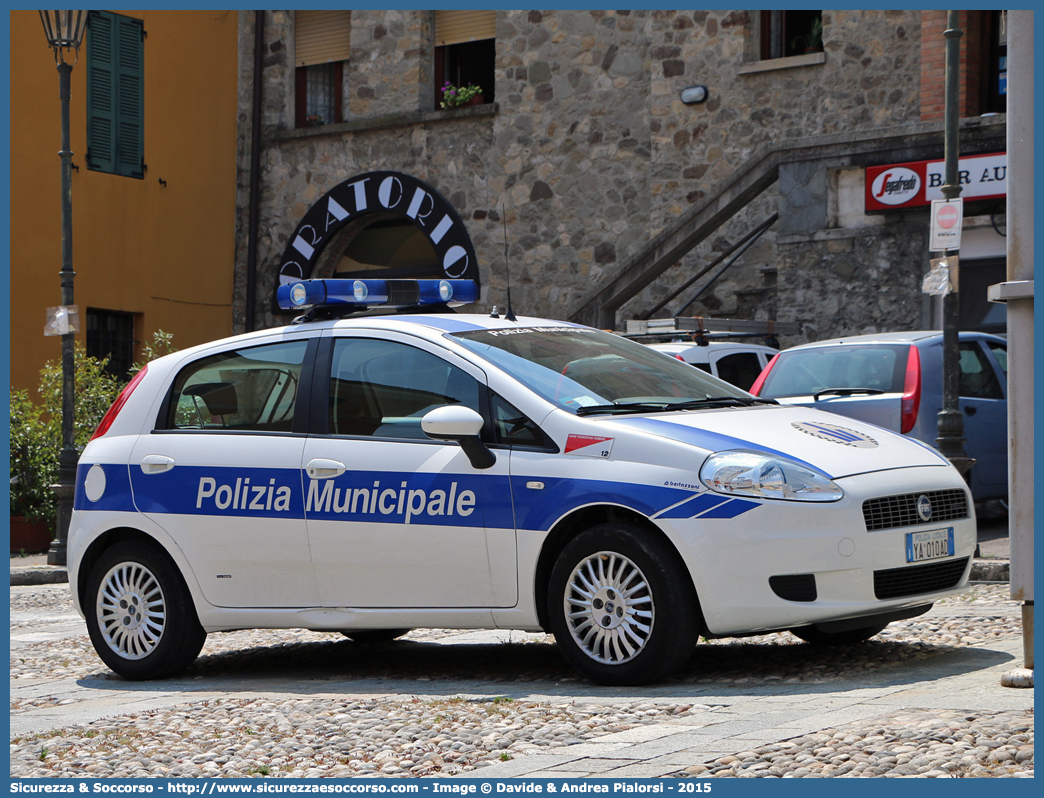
[{"x": 946, "y": 225}]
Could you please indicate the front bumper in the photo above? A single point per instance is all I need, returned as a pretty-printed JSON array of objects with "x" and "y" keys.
[{"x": 852, "y": 572}]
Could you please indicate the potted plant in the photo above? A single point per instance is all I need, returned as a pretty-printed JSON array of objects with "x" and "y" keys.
[
  {"x": 456, "y": 96},
  {"x": 811, "y": 42}
]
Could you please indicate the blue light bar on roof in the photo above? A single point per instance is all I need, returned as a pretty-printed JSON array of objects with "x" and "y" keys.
[{"x": 303, "y": 294}]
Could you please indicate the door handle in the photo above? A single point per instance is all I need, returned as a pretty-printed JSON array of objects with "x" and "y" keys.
[
  {"x": 157, "y": 464},
  {"x": 970, "y": 410},
  {"x": 324, "y": 469}
]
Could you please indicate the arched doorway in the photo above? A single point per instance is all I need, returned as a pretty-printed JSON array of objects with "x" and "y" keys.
[{"x": 385, "y": 225}]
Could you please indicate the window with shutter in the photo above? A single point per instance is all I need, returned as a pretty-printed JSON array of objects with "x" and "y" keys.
[
  {"x": 322, "y": 45},
  {"x": 465, "y": 53},
  {"x": 115, "y": 94}
]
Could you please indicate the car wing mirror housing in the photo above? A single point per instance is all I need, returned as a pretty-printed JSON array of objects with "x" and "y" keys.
[{"x": 462, "y": 425}]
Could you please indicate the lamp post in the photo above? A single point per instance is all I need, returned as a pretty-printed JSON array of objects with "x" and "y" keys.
[
  {"x": 64, "y": 31},
  {"x": 950, "y": 420}
]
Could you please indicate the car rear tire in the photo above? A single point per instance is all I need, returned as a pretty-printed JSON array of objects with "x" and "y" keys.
[
  {"x": 811, "y": 634},
  {"x": 139, "y": 613},
  {"x": 374, "y": 635},
  {"x": 622, "y": 606}
]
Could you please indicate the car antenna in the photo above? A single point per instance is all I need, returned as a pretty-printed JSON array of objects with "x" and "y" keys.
[{"x": 510, "y": 315}]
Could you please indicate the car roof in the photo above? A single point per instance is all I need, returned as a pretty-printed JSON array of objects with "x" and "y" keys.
[
  {"x": 682, "y": 346},
  {"x": 909, "y": 337}
]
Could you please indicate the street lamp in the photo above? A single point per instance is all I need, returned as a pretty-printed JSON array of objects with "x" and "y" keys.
[
  {"x": 950, "y": 422},
  {"x": 64, "y": 31}
]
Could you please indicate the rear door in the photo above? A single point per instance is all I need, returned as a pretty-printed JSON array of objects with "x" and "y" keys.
[{"x": 221, "y": 473}]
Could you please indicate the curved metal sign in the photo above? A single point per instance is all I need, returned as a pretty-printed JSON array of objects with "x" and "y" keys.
[{"x": 384, "y": 193}]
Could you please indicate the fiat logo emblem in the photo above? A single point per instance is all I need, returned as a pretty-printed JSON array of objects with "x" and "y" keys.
[{"x": 924, "y": 508}]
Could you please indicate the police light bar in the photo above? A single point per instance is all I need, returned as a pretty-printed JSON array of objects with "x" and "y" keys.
[{"x": 303, "y": 294}]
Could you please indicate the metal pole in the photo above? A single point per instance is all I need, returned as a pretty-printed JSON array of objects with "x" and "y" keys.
[
  {"x": 1019, "y": 290},
  {"x": 950, "y": 420},
  {"x": 67, "y": 457}
]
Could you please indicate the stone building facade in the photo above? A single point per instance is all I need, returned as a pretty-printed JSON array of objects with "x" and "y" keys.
[{"x": 588, "y": 157}]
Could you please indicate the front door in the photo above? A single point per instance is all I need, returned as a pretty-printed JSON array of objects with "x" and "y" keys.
[{"x": 396, "y": 519}]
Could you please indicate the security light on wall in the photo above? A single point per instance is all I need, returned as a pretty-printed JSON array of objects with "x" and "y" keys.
[{"x": 694, "y": 95}]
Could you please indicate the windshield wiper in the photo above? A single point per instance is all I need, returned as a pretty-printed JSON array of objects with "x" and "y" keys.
[
  {"x": 623, "y": 407},
  {"x": 845, "y": 392},
  {"x": 689, "y": 404},
  {"x": 721, "y": 401}
]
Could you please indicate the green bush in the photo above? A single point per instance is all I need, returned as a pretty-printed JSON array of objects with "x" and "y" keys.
[
  {"x": 36, "y": 430},
  {"x": 34, "y": 462}
]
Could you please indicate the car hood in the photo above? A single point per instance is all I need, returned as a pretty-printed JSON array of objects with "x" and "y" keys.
[{"x": 836, "y": 446}]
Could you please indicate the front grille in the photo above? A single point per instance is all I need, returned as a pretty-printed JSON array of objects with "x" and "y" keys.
[
  {"x": 892, "y": 512},
  {"x": 794, "y": 587},
  {"x": 914, "y": 580}
]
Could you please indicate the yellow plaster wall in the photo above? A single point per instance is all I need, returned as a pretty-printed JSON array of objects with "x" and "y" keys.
[{"x": 165, "y": 252}]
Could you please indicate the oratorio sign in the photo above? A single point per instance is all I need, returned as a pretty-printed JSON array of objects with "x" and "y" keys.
[
  {"x": 908, "y": 185},
  {"x": 388, "y": 194}
]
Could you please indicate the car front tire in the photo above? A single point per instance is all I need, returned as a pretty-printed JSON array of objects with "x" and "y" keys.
[
  {"x": 139, "y": 613},
  {"x": 622, "y": 606}
]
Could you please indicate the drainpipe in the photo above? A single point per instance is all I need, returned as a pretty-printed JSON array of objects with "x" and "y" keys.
[{"x": 255, "y": 173}]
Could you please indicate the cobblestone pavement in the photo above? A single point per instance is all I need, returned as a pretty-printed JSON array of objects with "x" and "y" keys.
[{"x": 921, "y": 699}]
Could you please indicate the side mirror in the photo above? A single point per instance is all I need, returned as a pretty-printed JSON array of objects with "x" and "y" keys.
[{"x": 462, "y": 425}]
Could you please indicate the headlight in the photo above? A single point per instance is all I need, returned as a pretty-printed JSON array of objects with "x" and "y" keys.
[{"x": 764, "y": 476}]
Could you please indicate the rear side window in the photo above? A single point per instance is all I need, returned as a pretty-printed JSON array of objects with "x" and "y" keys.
[
  {"x": 253, "y": 388},
  {"x": 806, "y": 372},
  {"x": 741, "y": 369},
  {"x": 383, "y": 388}
]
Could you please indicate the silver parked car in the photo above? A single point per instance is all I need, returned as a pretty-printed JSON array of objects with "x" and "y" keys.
[
  {"x": 894, "y": 380},
  {"x": 733, "y": 361}
]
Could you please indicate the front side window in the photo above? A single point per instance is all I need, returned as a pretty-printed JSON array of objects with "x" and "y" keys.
[
  {"x": 251, "y": 389},
  {"x": 115, "y": 55},
  {"x": 383, "y": 388},
  {"x": 580, "y": 369},
  {"x": 977, "y": 379}
]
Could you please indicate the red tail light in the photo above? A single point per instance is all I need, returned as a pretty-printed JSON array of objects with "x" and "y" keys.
[
  {"x": 761, "y": 377},
  {"x": 679, "y": 357},
  {"x": 117, "y": 406},
  {"x": 911, "y": 391}
]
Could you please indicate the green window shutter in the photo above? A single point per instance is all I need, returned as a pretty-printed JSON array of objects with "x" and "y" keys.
[
  {"x": 130, "y": 104},
  {"x": 101, "y": 80},
  {"x": 115, "y": 94}
]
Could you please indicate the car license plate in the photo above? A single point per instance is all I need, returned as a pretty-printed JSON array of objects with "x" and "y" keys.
[{"x": 931, "y": 545}]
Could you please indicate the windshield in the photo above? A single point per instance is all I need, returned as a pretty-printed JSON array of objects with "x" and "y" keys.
[{"x": 584, "y": 369}]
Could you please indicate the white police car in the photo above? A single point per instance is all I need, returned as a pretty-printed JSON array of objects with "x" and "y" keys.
[{"x": 374, "y": 474}]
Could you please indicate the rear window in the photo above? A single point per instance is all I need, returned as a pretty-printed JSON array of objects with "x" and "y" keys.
[{"x": 805, "y": 372}]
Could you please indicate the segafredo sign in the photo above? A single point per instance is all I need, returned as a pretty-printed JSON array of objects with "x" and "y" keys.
[
  {"x": 382, "y": 193},
  {"x": 917, "y": 183}
]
